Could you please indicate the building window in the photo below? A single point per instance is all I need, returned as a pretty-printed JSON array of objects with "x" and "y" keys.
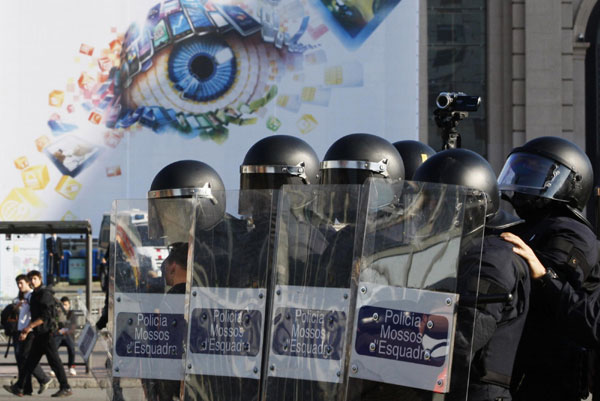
[{"x": 457, "y": 62}]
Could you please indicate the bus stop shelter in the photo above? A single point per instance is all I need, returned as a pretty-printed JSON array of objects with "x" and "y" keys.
[{"x": 58, "y": 227}]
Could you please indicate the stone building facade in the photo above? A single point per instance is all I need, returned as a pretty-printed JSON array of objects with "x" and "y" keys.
[{"x": 542, "y": 73}]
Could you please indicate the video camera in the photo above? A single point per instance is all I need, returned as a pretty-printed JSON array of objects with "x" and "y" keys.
[
  {"x": 457, "y": 101},
  {"x": 452, "y": 107}
]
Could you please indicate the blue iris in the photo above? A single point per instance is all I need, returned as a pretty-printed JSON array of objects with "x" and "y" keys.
[{"x": 203, "y": 69}]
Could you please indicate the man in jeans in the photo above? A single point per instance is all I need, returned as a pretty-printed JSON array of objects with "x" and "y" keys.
[
  {"x": 41, "y": 304},
  {"x": 23, "y": 348}
]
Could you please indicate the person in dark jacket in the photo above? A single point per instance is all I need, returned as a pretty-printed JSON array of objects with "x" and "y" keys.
[
  {"x": 23, "y": 348},
  {"x": 41, "y": 304},
  {"x": 64, "y": 335},
  {"x": 489, "y": 270},
  {"x": 548, "y": 181},
  {"x": 54, "y": 249}
]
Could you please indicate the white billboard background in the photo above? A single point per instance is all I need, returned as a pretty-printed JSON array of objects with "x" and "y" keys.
[{"x": 42, "y": 54}]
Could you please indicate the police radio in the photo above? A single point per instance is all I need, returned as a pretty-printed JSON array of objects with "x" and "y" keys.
[{"x": 451, "y": 109}]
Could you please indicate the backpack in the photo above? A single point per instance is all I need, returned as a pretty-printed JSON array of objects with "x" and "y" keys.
[
  {"x": 59, "y": 315},
  {"x": 10, "y": 319}
]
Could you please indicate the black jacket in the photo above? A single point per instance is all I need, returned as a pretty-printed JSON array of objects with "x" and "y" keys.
[
  {"x": 41, "y": 304},
  {"x": 498, "y": 325},
  {"x": 563, "y": 319}
]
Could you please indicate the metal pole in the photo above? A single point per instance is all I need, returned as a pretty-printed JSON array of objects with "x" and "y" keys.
[{"x": 88, "y": 283}]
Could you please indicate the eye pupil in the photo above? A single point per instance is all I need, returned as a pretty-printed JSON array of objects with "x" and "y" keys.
[{"x": 202, "y": 67}]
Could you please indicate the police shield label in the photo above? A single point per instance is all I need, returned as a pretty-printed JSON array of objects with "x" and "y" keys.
[
  {"x": 308, "y": 333},
  {"x": 403, "y": 336},
  {"x": 225, "y": 334},
  {"x": 149, "y": 336}
]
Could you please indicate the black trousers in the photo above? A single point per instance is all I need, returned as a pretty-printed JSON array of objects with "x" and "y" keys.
[
  {"x": 22, "y": 349},
  {"x": 53, "y": 272},
  {"x": 43, "y": 344}
]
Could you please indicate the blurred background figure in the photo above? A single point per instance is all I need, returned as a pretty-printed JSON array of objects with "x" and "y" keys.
[
  {"x": 54, "y": 249},
  {"x": 64, "y": 335}
]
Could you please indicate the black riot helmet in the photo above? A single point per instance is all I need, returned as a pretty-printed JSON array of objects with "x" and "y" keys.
[
  {"x": 277, "y": 160},
  {"x": 466, "y": 168},
  {"x": 547, "y": 172},
  {"x": 271, "y": 163},
  {"x": 177, "y": 192},
  {"x": 355, "y": 157},
  {"x": 414, "y": 153}
]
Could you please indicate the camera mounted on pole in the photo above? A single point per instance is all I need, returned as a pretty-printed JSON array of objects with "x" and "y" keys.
[{"x": 452, "y": 108}]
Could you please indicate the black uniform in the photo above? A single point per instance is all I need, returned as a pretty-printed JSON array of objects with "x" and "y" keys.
[
  {"x": 234, "y": 254},
  {"x": 553, "y": 358},
  {"x": 320, "y": 255},
  {"x": 498, "y": 325}
]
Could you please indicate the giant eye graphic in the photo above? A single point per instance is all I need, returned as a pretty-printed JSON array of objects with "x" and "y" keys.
[
  {"x": 196, "y": 67},
  {"x": 202, "y": 69}
]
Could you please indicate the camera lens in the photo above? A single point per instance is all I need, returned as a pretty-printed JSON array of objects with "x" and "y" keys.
[{"x": 443, "y": 100}]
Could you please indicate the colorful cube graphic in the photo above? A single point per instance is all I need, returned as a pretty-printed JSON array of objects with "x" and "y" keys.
[
  {"x": 41, "y": 142},
  {"x": 86, "y": 49},
  {"x": 334, "y": 76},
  {"x": 115, "y": 46},
  {"x": 308, "y": 94},
  {"x": 273, "y": 123},
  {"x": 21, "y": 204},
  {"x": 36, "y": 177},
  {"x": 112, "y": 139},
  {"x": 113, "y": 171},
  {"x": 56, "y": 98},
  {"x": 68, "y": 187},
  {"x": 95, "y": 118},
  {"x": 306, "y": 123},
  {"x": 86, "y": 82},
  {"x": 70, "y": 108},
  {"x": 21, "y": 162}
]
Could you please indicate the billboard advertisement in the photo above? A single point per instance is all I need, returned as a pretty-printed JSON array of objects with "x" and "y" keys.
[{"x": 98, "y": 96}]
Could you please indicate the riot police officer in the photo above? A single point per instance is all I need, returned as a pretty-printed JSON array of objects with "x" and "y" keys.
[
  {"x": 503, "y": 280},
  {"x": 354, "y": 158},
  {"x": 232, "y": 271},
  {"x": 316, "y": 248},
  {"x": 269, "y": 164},
  {"x": 184, "y": 194},
  {"x": 414, "y": 153},
  {"x": 278, "y": 160},
  {"x": 189, "y": 184},
  {"x": 549, "y": 181}
]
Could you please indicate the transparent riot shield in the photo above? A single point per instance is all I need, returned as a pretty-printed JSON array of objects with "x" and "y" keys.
[
  {"x": 412, "y": 332},
  {"x": 313, "y": 260},
  {"x": 147, "y": 285},
  {"x": 228, "y": 298}
]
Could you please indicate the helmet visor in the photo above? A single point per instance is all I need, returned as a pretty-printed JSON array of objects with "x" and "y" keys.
[
  {"x": 341, "y": 176},
  {"x": 532, "y": 174},
  {"x": 171, "y": 218}
]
